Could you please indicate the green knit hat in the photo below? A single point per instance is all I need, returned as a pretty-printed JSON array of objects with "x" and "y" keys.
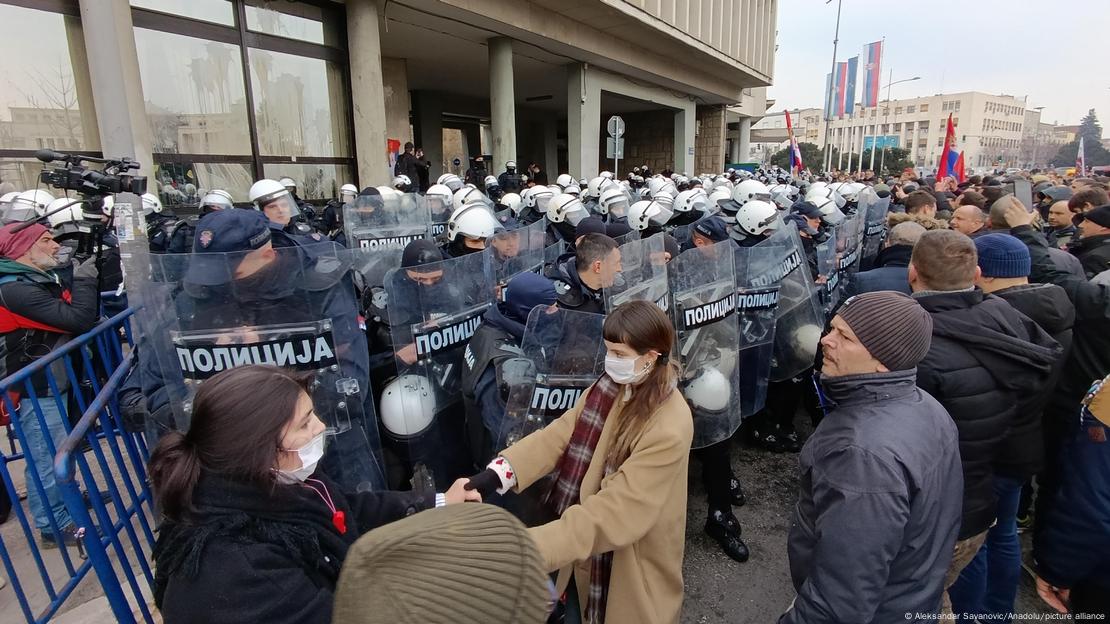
[{"x": 462, "y": 563}]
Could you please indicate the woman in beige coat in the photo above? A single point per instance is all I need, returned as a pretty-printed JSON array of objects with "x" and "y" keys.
[{"x": 619, "y": 495}]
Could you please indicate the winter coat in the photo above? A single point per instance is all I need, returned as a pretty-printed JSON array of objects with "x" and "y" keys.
[
  {"x": 891, "y": 272},
  {"x": 929, "y": 223},
  {"x": 1066, "y": 262},
  {"x": 1093, "y": 253},
  {"x": 37, "y": 315},
  {"x": 879, "y": 504},
  {"x": 638, "y": 512},
  {"x": 1061, "y": 237},
  {"x": 985, "y": 358},
  {"x": 1074, "y": 545},
  {"x": 573, "y": 293},
  {"x": 1022, "y": 452},
  {"x": 247, "y": 555},
  {"x": 1090, "y": 354}
]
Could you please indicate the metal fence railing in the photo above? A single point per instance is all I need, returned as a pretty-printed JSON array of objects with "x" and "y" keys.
[{"x": 89, "y": 473}]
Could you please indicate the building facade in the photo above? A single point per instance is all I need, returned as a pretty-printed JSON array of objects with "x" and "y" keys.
[{"x": 217, "y": 93}]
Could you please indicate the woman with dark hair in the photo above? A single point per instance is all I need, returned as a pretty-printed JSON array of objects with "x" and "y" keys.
[
  {"x": 253, "y": 532},
  {"x": 618, "y": 498}
]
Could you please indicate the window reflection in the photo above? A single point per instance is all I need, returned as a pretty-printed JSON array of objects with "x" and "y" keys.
[
  {"x": 195, "y": 97},
  {"x": 23, "y": 174},
  {"x": 303, "y": 22},
  {"x": 300, "y": 105},
  {"x": 217, "y": 11},
  {"x": 181, "y": 185},
  {"x": 44, "y": 103},
  {"x": 314, "y": 182}
]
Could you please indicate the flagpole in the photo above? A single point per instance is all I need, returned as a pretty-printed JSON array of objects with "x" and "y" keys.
[
  {"x": 874, "y": 143},
  {"x": 828, "y": 112}
]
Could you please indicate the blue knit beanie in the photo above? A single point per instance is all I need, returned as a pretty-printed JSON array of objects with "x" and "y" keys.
[{"x": 1002, "y": 255}]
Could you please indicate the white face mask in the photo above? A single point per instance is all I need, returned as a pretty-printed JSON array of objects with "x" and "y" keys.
[
  {"x": 623, "y": 370},
  {"x": 310, "y": 455}
]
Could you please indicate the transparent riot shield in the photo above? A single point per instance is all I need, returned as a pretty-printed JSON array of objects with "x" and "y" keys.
[
  {"x": 518, "y": 251},
  {"x": 632, "y": 236},
  {"x": 373, "y": 221},
  {"x": 828, "y": 274},
  {"x": 800, "y": 319},
  {"x": 703, "y": 285},
  {"x": 433, "y": 311},
  {"x": 849, "y": 240},
  {"x": 438, "y": 212},
  {"x": 874, "y": 231},
  {"x": 643, "y": 275},
  {"x": 758, "y": 283},
  {"x": 291, "y": 307}
]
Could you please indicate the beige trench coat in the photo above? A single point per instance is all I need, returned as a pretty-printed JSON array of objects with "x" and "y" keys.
[{"x": 638, "y": 512}]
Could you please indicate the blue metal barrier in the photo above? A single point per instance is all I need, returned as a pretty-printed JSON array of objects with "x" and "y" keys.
[{"x": 81, "y": 376}]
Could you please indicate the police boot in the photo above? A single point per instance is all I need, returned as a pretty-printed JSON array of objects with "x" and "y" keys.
[
  {"x": 725, "y": 528},
  {"x": 736, "y": 492}
]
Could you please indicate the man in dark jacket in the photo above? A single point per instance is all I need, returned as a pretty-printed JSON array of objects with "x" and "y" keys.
[
  {"x": 1060, "y": 230},
  {"x": 879, "y": 500},
  {"x": 476, "y": 174},
  {"x": 989, "y": 583},
  {"x": 891, "y": 268},
  {"x": 407, "y": 163},
  {"x": 580, "y": 280},
  {"x": 1073, "y": 549},
  {"x": 1093, "y": 246},
  {"x": 38, "y": 314},
  {"x": 985, "y": 357},
  {"x": 510, "y": 180}
]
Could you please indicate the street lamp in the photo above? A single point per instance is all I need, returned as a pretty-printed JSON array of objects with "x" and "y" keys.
[{"x": 882, "y": 160}]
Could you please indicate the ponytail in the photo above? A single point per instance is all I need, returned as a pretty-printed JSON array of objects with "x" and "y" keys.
[{"x": 174, "y": 470}]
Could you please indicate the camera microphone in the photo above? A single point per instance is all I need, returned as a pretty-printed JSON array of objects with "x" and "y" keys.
[{"x": 47, "y": 156}]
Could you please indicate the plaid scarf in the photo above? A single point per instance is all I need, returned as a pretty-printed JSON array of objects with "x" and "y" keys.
[{"x": 569, "y": 472}]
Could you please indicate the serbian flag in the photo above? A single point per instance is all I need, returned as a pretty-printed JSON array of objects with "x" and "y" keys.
[
  {"x": 1080, "y": 160},
  {"x": 840, "y": 86},
  {"x": 872, "y": 73},
  {"x": 951, "y": 161},
  {"x": 795, "y": 153}
]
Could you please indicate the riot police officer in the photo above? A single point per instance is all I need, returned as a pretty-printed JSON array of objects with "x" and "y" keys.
[
  {"x": 306, "y": 213},
  {"x": 468, "y": 230},
  {"x": 279, "y": 205},
  {"x": 159, "y": 223},
  {"x": 184, "y": 231},
  {"x": 510, "y": 180},
  {"x": 332, "y": 221},
  {"x": 496, "y": 341},
  {"x": 595, "y": 264}
]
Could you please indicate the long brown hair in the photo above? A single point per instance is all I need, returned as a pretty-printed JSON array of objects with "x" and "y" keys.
[
  {"x": 644, "y": 327},
  {"x": 238, "y": 417}
]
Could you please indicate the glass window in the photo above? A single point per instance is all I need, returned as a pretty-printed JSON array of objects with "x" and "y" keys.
[
  {"x": 183, "y": 184},
  {"x": 195, "y": 97},
  {"x": 924, "y": 108},
  {"x": 303, "y": 22},
  {"x": 23, "y": 173},
  {"x": 314, "y": 182},
  {"x": 911, "y": 109},
  {"x": 45, "y": 93},
  {"x": 300, "y": 105},
  {"x": 217, "y": 11},
  {"x": 898, "y": 110}
]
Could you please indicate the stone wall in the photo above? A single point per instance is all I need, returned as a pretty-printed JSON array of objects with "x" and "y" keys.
[
  {"x": 648, "y": 140},
  {"x": 710, "y": 145}
]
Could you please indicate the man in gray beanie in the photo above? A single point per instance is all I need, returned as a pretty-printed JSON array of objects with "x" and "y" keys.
[{"x": 879, "y": 501}]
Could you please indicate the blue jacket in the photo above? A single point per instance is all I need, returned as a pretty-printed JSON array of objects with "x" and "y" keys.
[{"x": 891, "y": 272}]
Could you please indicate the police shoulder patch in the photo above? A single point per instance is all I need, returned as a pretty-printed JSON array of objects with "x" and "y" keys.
[{"x": 205, "y": 238}]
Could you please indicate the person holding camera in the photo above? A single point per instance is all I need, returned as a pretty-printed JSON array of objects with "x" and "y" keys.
[{"x": 38, "y": 314}]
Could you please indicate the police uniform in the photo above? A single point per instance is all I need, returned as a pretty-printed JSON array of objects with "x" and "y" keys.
[{"x": 573, "y": 294}]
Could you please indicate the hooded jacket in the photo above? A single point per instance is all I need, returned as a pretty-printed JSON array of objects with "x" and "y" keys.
[
  {"x": 573, "y": 294},
  {"x": 986, "y": 358},
  {"x": 878, "y": 507},
  {"x": 1022, "y": 452},
  {"x": 1093, "y": 253}
]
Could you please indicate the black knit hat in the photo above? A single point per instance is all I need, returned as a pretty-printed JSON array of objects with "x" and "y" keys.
[{"x": 893, "y": 328}]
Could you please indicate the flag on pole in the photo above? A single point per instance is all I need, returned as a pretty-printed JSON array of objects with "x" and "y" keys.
[
  {"x": 850, "y": 94},
  {"x": 951, "y": 160},
  {"x": 828, "y": 95},
  {"x": 1080, "y": 160},
  {"x": 872, "y": 73},
  {"x": 840, "y": 88},
  {"x": 795, "y": 153}
]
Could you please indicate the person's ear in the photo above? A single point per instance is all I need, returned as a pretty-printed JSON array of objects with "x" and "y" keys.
[{"x": 979, "y": 274}]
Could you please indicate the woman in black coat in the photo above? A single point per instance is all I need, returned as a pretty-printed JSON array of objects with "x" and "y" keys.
[{"x": 253, "y": 532}]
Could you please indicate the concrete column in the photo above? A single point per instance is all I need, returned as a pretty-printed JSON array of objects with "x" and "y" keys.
[
  {"x": 550, "y": 147},
  {"x": 583, "y": 125},
  {"x": 685, "y": 129},
  {"x": 428, "y": 114},
  {"x": 502, "y": 103},
  {"x": 367, "y": 101},
  {"x": 745, "y": 142},
  {"x": 114, "y": 76},
  {"x": 734, "y": 148}
]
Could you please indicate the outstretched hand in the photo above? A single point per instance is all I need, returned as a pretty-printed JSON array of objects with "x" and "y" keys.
[
  {"x": 458, "y": 493},
  {"x": 1016, "y": 214}
]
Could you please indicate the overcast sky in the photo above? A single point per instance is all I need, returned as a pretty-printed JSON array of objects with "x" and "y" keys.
[{"x": 1054, "y": 53}]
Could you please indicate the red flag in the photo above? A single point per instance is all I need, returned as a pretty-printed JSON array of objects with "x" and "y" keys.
[
  {"x": 795, "y": 153},
  {"x": 949, "y": 157}
]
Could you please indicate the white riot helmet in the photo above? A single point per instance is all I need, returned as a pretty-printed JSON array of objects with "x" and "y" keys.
[
  {"x": 658, "y": 184},
  {"x": 7, "y": 198},
  {"x": 595, "y": 187},
  {"x": 513, "y": 202},
  {"x": 643, "y": 214},
  {"x": 151, "y": 204},
  {"x": 850, "y": 191},
  {"x": 536, "y": 198},
  {"x": 614, "y": 201},
  {"x": 35, "y": 200},
  {"x": 347, "y": 193},
  {"x": 664, "y": 198},
  {"x": 692, "y": 200},
  {"x": 438, "y": 194},
  {"x": 566, "y": 208},
  {"x": 70, "y": 220},
  {"x": 755, "y": 218},
  {"x": 830, "y": 214},
  {"x": 718, "y": 195},
  {"x": 573, "y": 189},
  {"x": 582, "y": 182},
  {"x": 273, "y": 194},
  {"x": 473, "y": 221},
  {"x": 289, "y": 183},
  {"x": 466, "y": 195},
  {"x": 408, "y": 406},
  {"x": 402, "y": 182},
  {"x": 564, "y": 180},
  {"x": 709, "y": 390},
  {"x": 451, "y": 181},
  {"x": 490, "y": 182},
  {"x": 750, "y": 189},
  {"x": 608, "y": 175},
  {"x": 805, "y": 340},
  {"x": 781, "y": 196},
  {"x": 216, "y": 200}
]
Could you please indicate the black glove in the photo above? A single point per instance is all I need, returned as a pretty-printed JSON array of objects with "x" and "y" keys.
[{"x": 486, "y": 482}]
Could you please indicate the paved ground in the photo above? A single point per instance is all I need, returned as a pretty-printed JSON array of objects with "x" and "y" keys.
[{"x": 721, "y": 590}]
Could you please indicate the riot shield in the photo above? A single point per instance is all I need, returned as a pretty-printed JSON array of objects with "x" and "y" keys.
[
  {"x": 828, "y": 274},
  {"x": 373, "y": 221},
  {"x": 631, "y": 236},
  {"x": 290, "y": 307},
  {"x": 758, "y": 281},
  {"x": 643, "y": 275},
  {"x": 800, "y": 319},
  {"x": 433, "y": 311},
  {"x": 438, "y": 212},
  {"x": 875, "y": 208},
  {"x": 703, "y": 284},
  {"x": 849, "y": 239},
  {"x": 517, "y": 251}
]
